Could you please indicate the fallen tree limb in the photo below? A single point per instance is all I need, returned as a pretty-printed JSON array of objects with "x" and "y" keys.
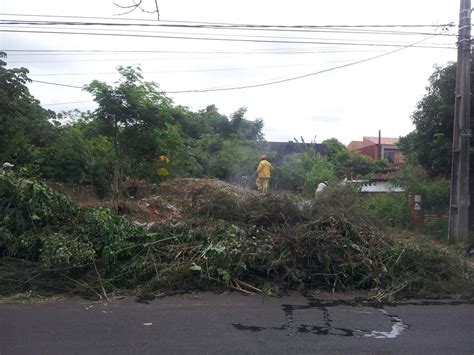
[{"x": 244, "y": 284}]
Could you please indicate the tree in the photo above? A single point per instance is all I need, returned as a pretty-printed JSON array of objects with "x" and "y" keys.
[
  {"x": 430, "y": 144},
  {"x": 244, "y": 129},
  {"x": 24, "y": 125},
  {"x": 68, "y": 158},
  {"x": 320, "y": 170},
  {"x": 349, "y": 163},
  {"x": 132, "y": 132},
  {"x": 130, "y": 113},
  {"x": 333, "y": 147}
]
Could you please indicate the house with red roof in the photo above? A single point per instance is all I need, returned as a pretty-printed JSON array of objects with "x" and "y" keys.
[{"x": 378, "y": 148}]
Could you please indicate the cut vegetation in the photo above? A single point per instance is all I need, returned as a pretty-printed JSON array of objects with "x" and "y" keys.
[{"x": 201, "y": 234}]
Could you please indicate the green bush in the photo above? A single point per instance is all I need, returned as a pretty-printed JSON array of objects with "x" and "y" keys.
[
  {"x": 435, "y": 195},
  {"x": 434, "y": 192},
  {"x": 320, "y": 169},
  {"x": 392, "y": 209}
]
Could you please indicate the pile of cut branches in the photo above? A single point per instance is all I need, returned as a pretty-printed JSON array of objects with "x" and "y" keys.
[{"x": 222, "y": 239}]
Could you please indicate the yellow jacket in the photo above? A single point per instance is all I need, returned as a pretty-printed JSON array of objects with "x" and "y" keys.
[{"x": 264, "y": 169}]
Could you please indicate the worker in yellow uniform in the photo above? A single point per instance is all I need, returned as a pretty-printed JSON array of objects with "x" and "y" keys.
[{"x": 264, "y": 171}]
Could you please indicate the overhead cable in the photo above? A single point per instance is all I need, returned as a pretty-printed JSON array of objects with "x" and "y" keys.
[
  {"x": 300, "y": 76},
  {"x": 271, "y": 82},
  {"x": 202, "y": 23},
  {"x": 226, "y": 39}
]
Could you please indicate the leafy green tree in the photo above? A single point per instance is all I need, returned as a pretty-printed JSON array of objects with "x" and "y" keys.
[
  {"x": 349, "y": 163},
  {"x": 320, "y": 170},
  {"x": 430, "y": 144},
  {"x": 129, "y": 114},
  {"x": 25, "y": 128},
  {"x": 68, "y": 158},
  {"x": 212, "y": 121},
  {"x": 134, "y": 130},
  {"x": 334, "y": 147},
  {"x": 245, "y": 129},
  {"x": 434, "y": 191},
  {"x": 181, "y": 150}
]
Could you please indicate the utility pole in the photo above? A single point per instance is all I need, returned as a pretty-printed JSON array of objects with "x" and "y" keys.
[{"x": 459, "y": 199}]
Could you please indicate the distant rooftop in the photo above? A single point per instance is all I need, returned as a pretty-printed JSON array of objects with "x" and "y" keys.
[
  {"x": 384, "y": 140},
  {"x": 354, "y": 145}
]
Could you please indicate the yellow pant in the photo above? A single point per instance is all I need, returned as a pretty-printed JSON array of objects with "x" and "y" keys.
[{"x": 262, "y": 183}]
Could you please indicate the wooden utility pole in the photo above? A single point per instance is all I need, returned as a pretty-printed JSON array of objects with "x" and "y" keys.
[{"x": 459, "y": 199}]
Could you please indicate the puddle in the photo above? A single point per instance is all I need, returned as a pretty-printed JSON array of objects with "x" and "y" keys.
[
  {"x": 291, "y": 328},
  {"x": 398, "y": 326},
  {"x": 251, "y": 328}
]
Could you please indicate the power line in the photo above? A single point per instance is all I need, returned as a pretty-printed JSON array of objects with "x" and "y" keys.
[
  {"x": 189, "y": 71},
  {"x": 271, "y": 82},
  {"x": 360, "y": 29},
  {"x": 301, "y": 76},
  {"x": 29, "y": 61},
  {"x": 102, "y": 51},
  {"x": 57, "y": 84},
  {"x": 231, "y": 35},
  {"x": 224, "y": 39},
  {"x": 162, "y": 23},
  {"x": 267, "y": 28},
  {"x": 128, "y": 31},
  {"x": 321, "y": 30},
  {"x": 110, "y": 60}
]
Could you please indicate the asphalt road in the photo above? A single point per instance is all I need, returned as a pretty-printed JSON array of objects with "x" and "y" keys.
[{"x": 235, "y": 324}]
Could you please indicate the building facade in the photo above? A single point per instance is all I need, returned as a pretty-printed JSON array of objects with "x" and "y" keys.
[{"x": 378, "y": 148}]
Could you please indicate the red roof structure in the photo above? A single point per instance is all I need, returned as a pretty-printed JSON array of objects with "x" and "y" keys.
[{"x": 387, "y": 149}]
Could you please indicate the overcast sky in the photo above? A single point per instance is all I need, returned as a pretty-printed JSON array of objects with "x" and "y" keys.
[{"x": 346, "y": 103}]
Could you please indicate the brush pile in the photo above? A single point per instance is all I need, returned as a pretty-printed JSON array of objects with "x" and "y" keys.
[{"x": 210, "y": 235}]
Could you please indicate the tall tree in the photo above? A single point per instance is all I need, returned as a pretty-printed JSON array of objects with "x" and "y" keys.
[
  {"x": 430, "y": 144},
  {"x": 349, "y": 163},
  {"x": 130, "y": 113},
  {"x": 334, "y": 147},
  {"x": 24, "y": 124}
]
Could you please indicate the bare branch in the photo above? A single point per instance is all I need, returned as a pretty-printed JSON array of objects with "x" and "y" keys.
[
  {"x": 138, "y": 5},
  {"x": 135, "y": 5},
  {"x": 132, "y": 7},
  {"x": 126, "y": 12},
  {"x": 157, "y": 10}
]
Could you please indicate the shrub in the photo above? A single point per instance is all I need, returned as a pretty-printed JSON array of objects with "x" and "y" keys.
[
  {"x": 392, "y": 209},
  {"x": 434, "y": 192},
  {"x": 320, "y": 170}
]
